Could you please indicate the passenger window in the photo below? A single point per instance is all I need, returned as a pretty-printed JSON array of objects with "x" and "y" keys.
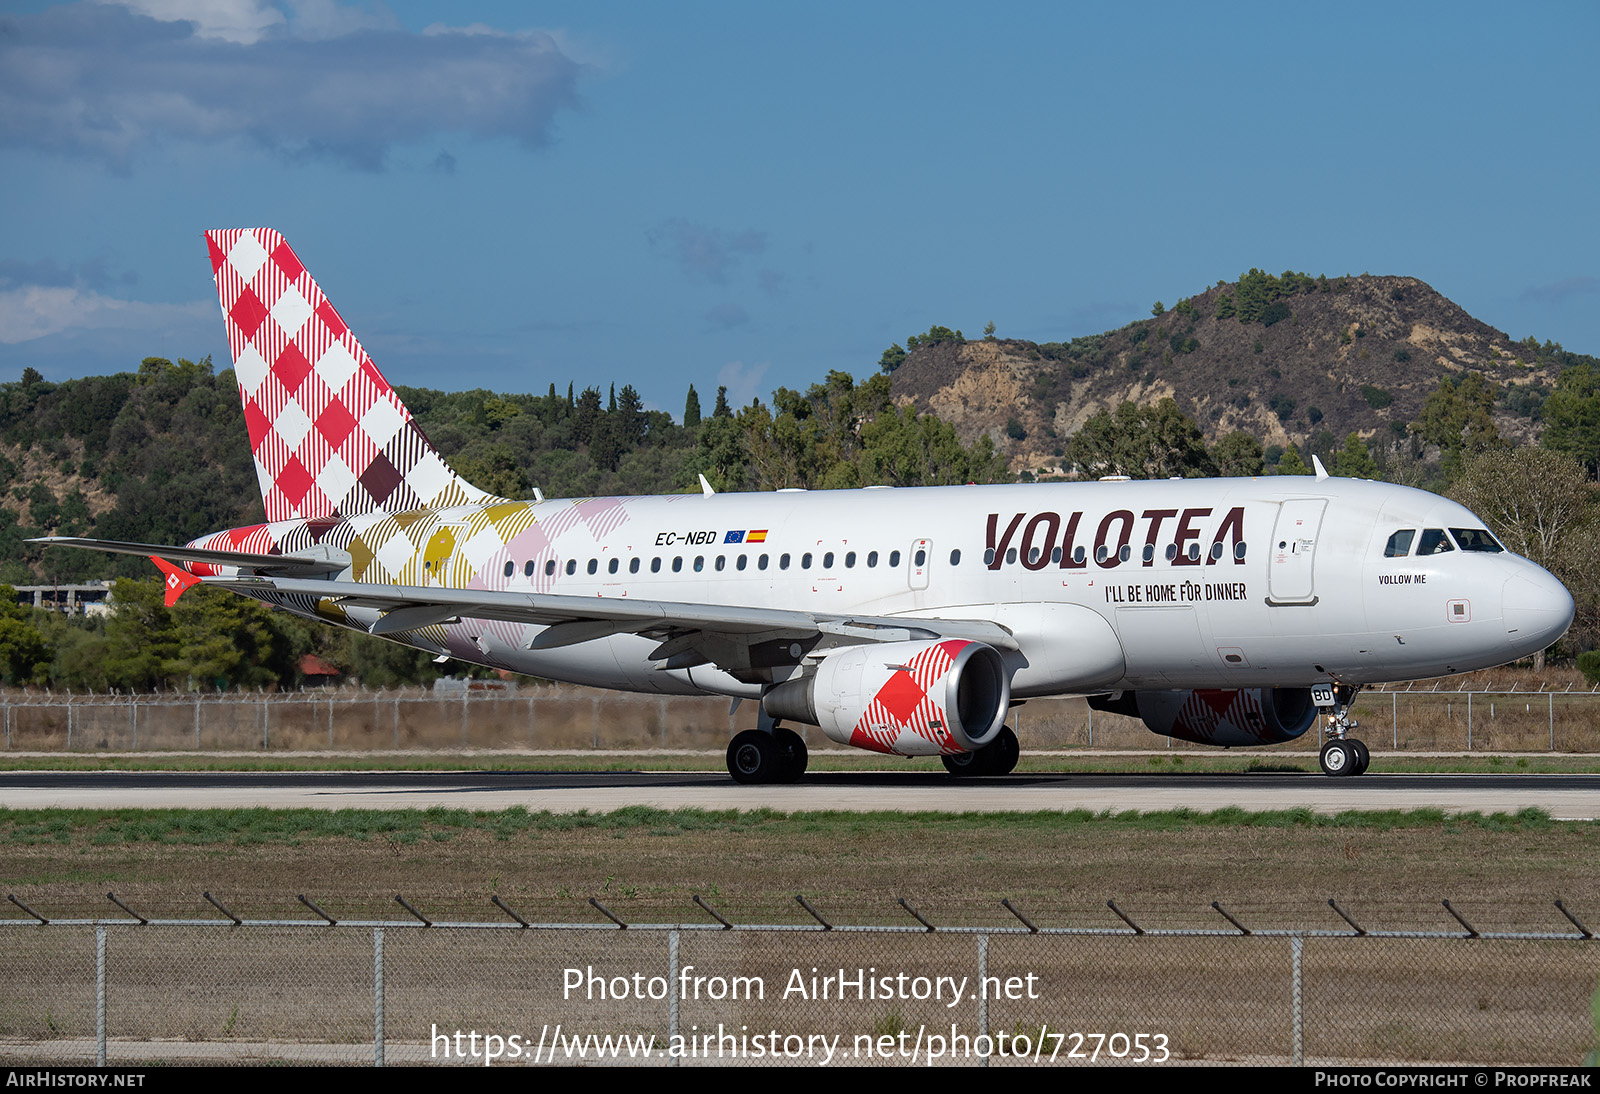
[
  {"x": 1033, "y": 555},
  {"x": 594, "y": 565},
  {"x": 988, "y": 556},
  {"x": 722, "y": 561},
  {"x": 922, "y": 556},
  {"x": 1055, "y": 555},
  {"x": 761, "y": 563},
  {"x": 742, "y": 562},
  {"x": 550, "y": 568},
  {"x": 1194, "y": 552},
  {"x": 1149, "y": 552},
  {"x": 633, "y": 565},
  {"x": 955, "y": 557},
  {"x": 1078, "y": 555},
  {"x": 1216, "y": 550},
  {"x": 572, "y": 566},
  {"x": 783, "y": 562},
  {"x": 872, "y": 559},
  {"x": 1238, "y": 550},
  {"x": 894, "y": 558},
  {"x": 805, "y": 561},
  {"x": 1101, "y": 553},
  {"x": 1011, "y": 557},
  {"x": 1476, "y": 539},
  {"x": 1434, "y": 542},
  {"x": 611, "y": 568},
  {"x": 511, "y": 567},
  {"x": 527, "y": 568},
  {"x": 677, "y": 563},
  {"x": 1124, "y": 553},
  {"x": 1172, "y": 551},
  {"x": 699, "y": 563},
  {"x": 655, "y": 565},
  {"x": 850, "y": 560},
  {"x": 827, "y": 561},
  {"x": 1399, "y": 545}
]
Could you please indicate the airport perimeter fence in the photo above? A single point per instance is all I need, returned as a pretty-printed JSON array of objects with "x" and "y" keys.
[
  {"x": 1396, "y": 719},
  {"x": 178, "y": 992}
]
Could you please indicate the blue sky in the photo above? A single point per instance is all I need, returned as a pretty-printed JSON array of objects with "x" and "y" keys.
[{"x": 506, "y": 195}]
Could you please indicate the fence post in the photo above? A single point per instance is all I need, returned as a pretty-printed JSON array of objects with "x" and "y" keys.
[
  {"x": 983, "y": 996},
  {"x": 197, "y": 722},
  {"x": 1552, "y": 724},
  {"x": 1394, "y": 717},
  {"x": 377, "y": 997},
  {"x": 672, "y": 994},
  {"x": 1469, "y": 721},
  {"x": 1091, "y": 722},
  {"x": 1296, "y": 944},
  {"x": 464, "y": 693},
  {"x": 99, "y": 996}
]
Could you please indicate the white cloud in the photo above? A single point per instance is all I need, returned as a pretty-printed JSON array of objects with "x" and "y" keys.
[
  {"x": 28, "y": 312},
  {"x": 308, "y": 79},
  {"x": 705, "y": 254}
]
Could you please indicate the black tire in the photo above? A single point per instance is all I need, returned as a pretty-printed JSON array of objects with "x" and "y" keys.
[
  {"x": 754, "y": 757},
  {"x": 792, "y": 753},
  {"x": 1338, "y": 759},
  {"x": 1363, "y": 757},
  {"x": 1005, "y": 751},
  {"x": 967, "y": 765}
]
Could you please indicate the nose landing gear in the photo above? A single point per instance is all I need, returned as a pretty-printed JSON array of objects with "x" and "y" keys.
[{"x": 1343, "y": 754}]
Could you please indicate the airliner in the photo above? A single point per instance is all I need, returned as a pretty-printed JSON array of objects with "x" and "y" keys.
[{"x": 1226, "y": 612}]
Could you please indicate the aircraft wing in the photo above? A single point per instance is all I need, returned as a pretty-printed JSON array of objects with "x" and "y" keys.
[
  {"x": 689, "y": 633},
  {"x": 287, "y": 565}
]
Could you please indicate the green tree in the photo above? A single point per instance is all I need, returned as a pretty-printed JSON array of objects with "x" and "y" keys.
[
  {"x": 892, "y": 358},
  {"x": 691, "y": 409},
  {"x": 1355, "y": 462},
  {"x": 1239, "y": 455},
  {"x": 1572, "y": 417},
  {"x": 1290, "y": 463},
  {"x": 1142, "y": 442},
  {"x": 1458, "y": 417}
]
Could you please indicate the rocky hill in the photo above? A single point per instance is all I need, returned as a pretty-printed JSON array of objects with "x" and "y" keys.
[{"x": 1291, "y": 360}]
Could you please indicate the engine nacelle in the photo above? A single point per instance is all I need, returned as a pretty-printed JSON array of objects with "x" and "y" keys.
[
  {"x": 1209, "y": 716},
  {"x": 907, "y": 698}
]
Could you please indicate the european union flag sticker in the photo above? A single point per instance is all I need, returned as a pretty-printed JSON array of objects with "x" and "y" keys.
[{"x": 734, "y": 537}]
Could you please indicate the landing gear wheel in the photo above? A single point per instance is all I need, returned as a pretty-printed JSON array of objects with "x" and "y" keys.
[
  {"x": 1005, "y": 751},
  {"x": 998, "y": 757},
  {"x": 1363, "y": 757},
  {"x": 754, "y": 757},
  {"x": 792, "y": 751},
  {"x": 1338, "y": 759},
  {"x": 965, "y": 765}
]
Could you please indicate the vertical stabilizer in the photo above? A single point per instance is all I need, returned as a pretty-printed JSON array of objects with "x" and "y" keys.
[{"x": 330, "y": 436}]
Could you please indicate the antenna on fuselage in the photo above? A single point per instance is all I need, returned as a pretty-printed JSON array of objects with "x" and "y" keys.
[
  {"x": 1316, "y": 463},
  {"x": 705, "y": 487}
]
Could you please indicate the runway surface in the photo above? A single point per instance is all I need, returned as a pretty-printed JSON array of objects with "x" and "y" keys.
[{"x": 1569, "y": 797}]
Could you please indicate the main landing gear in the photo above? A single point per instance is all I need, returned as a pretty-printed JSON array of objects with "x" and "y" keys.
[
  {"x": 998, "y": 757},
  {"x": 1343, "y": 754},
  {"x": 767, "y": 756}
]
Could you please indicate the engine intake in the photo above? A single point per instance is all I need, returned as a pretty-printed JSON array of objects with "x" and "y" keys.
[{"x": 907, "y": 698}]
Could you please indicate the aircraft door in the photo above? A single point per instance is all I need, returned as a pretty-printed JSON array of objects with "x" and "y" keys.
[
  {"x": 918, "y": 562},
  {"x": 1291, "y": 577}
]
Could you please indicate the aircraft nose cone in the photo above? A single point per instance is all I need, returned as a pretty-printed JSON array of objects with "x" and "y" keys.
[{"x": 1537, "y": 609}]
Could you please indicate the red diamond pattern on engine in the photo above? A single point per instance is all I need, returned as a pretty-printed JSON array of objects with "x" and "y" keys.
[
  {"x": 1208, "y": 710},
  {"x": 329, "y": 435},
  {"x": 905, "y": 702}
]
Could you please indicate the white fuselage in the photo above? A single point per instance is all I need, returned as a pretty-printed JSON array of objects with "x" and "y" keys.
[{"x": 1220, "y": 583}]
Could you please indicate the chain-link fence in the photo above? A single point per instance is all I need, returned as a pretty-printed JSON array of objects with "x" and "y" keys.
[
  {"x": 573, "y": 718},
  {"x": 128, "y": 993}
]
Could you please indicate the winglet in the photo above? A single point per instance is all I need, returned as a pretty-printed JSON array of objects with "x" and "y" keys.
[
  {"x": 178, "y": 582},
  {"x": 1316, "y": 463},
  {"x": 705, "y": 487}
]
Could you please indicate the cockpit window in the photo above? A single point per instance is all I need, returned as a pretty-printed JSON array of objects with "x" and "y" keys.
[
  {"x": 1476, "y": 539},
  {"x": 1399, "y": 545},
  {"x": 1434, "y": 542}
]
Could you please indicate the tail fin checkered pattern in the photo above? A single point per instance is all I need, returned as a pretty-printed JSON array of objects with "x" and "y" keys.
[{"x": 330, "y": 436}]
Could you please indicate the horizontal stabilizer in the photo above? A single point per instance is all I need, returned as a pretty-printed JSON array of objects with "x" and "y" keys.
[{"x": 286, "y": 565}]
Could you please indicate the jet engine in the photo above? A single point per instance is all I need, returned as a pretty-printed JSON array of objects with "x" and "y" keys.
[
  {"x": 908, "y": 698},
  {"x": 1212, "y": 716}
]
